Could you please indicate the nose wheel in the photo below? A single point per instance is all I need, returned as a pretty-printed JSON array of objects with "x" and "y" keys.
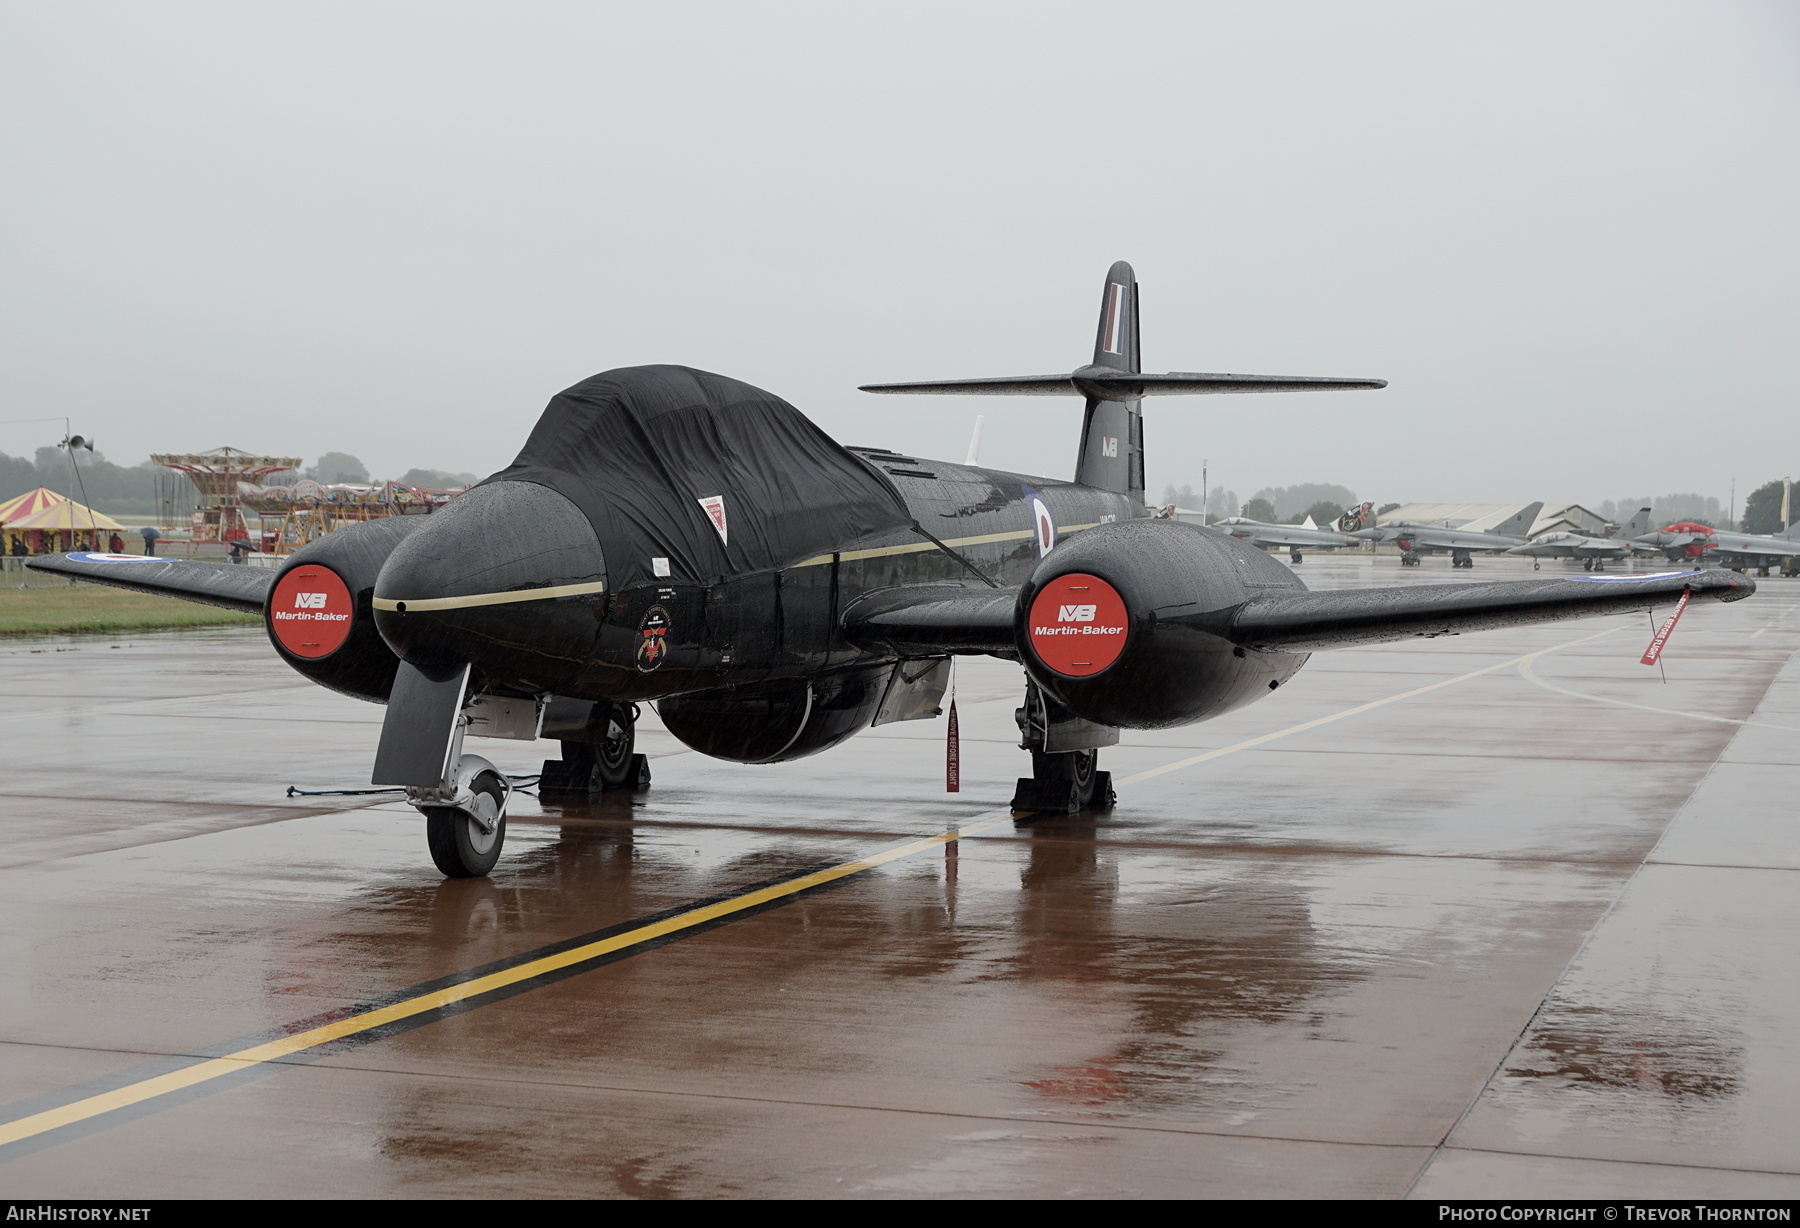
[
  {"x": 465, "y": 820},
  {"x": 465, "y": 840}
]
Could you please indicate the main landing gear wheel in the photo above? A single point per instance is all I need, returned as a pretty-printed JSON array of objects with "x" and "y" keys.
[
  {"x": 1064, "y": 784},
  {"x": 1409, "y": 558},
  {"x": 612, "y": 758},
  {"x": 1296, "y": 556},
  {"x": 593, "y": 767},
  {"x": 466, "y": 843}
]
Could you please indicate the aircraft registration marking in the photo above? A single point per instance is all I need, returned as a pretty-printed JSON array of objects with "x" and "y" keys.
[
  {"x": 474, "y": 599},
  {"x": 548, "y": 965}
]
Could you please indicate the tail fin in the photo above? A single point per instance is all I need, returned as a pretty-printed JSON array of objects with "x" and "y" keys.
[
  {"x": 1519, "y": 525},
  {"x": 1111, "y": 456},
  {"x": 1638, "y": 524}
]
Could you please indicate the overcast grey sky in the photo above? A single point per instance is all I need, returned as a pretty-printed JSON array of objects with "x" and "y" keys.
[{"x": 1566, "y": 232}]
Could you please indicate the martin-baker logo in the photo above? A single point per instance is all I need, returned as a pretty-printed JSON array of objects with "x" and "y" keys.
[
  {"x": 311, "y": 611},
  {"x": 1078, "y": 625}
]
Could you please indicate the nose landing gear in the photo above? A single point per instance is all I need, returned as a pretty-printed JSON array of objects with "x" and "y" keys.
[{"x": 465, "y": 822}]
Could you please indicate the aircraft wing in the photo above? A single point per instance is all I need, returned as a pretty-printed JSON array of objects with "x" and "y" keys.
[
  {"x": 229, "y": 586},
  {"x": 1771, "y": 547},
  {"x": 926, "y": 619},
  {"x": 1294, "y": 535},
  {"x": 929, "y": 619},
  {"x": 1305, "y": 621}
]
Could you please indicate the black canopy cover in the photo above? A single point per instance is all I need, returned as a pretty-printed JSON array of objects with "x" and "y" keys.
[{"x": 639, "y": 449}]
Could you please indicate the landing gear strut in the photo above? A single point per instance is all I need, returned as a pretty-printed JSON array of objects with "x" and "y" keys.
[
  {"x": 1065, "y": 756},
  {"x": 1295, "y": 555},
  {"x": 1409, "y": 558},
  {"x": 602, "y": 758}
]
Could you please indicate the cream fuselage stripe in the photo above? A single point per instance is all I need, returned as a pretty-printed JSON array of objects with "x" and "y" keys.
[
  {"x": 520, "y": 594},
  {"x": 850, "y": 556}
]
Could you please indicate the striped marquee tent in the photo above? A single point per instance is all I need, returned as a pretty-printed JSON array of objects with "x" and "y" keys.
[
  {"x": 29, "y": 503},
  {"x": 42, "y": 521}
]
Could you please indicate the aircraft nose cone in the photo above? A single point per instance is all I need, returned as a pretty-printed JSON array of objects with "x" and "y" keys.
[{"x": 509, "y": 577}]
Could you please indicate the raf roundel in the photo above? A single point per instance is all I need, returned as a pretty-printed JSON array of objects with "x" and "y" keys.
[
  {"x": 1077, "y": 625},
  {"x": 310, "y": 611}
]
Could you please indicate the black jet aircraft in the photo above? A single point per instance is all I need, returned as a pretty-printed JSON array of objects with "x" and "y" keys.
[{"x": 675, "y": 537}]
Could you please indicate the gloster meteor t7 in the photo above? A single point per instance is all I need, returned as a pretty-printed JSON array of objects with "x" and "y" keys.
[{"x": 675, "y": 537}]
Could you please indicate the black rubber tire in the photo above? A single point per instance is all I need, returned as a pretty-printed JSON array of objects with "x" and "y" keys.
[
  {"x": 458, "y": 846},
  {"x": 614, "y": 765}
]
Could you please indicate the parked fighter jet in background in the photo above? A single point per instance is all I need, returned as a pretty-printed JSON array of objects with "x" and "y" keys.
[
  {"x": 677, "y": 537},
  {"x": 1689, "y": 542},
  {"x": 1293, "y": 538},
  {"x": 1594, "y": 552},
  {"x": 1415, "y": 540}
]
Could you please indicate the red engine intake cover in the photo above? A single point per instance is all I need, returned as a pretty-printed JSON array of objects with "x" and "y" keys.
[
  {"x": 1077, "y": 625},
  {"x": 310, "y": 611}
]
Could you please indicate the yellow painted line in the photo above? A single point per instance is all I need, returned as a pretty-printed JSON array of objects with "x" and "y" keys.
[
  {"x": 287, "y": 1046},
  {"x": 473, "y": 599},
  {"x": 1346, "y": 714},
  {"x": 1532, "y": 675}
]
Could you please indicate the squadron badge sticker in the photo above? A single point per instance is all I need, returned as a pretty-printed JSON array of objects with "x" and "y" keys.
[{"x": 653, "y": 639}]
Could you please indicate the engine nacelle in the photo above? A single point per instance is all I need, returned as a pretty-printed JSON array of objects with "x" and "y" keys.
[
  {"x": 772, "y": 722},
  {"x": 320, "y": 615},
  {"x": 1126, "y": 624}
]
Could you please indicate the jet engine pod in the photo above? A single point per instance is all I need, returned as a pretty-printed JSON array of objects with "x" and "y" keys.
[
  {"x": 1127, "y": 624},
  {"x": 320, "y": 614}
]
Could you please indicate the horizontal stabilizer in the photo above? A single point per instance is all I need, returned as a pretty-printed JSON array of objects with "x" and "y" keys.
[
  {"x": 229, "y": 586},
  {"x": 1344, "y": 618},
  {"x": 1105, "y": 384}
]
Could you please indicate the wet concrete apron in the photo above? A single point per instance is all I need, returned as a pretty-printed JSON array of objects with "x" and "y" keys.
[{"x": 1527, "y": 929}]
